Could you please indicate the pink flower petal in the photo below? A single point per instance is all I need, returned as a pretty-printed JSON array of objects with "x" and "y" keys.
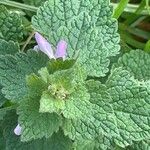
[
  {"x": 17, "y": 130},
  {"x": 61, "y": 49},
  {"x": 44, "y": 45}
]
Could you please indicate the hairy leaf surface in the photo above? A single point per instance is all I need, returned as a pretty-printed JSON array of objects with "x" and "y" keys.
[
  {"x": 87, "y": 27},
  {"x": 13, "y": 72},
  {"x": 34, "y": 124},
  {"x": 10, "y": 25},
  {"x": 13, "y": 142},
  {"x": 8, "y": 47},
  {"x": 131, "y": 106}
]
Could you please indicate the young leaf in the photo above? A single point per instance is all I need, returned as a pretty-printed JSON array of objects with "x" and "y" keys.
[
  {"x": 61, "y": 92},
  {"x": 86, "y": 26},
  {"x": 60, "y": 64}
]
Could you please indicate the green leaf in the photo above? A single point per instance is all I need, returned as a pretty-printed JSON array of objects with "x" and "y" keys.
[
  {"x": 97, "y": 118},
  {"x": 131, "y": 105},
  {"x": 87, "y": 27},
  {"x": 14, "y": 69},
  {"x": 57, "y": 142},
  {"x": 2, "y": 98},
  {"x": 120, "y": 111},
  {"x": 137, "y": 63},
  {"x": 34, "y": 124},
  {"x": 65, "y": 92},
  {"x": 60, "y": 64},
  {"x": 77, "y": 105},
  {"x": 3, "y": 111},
  {"x": 99, "y": 143},
  {"x": 10, "y": 25},
  {"x": 8, "y": 47},
  {"x": 142, "y": 145},
  {"x": 2, "y": 143},
  {"x": 49, "y": 104},
  {"x": 36, "y": 85}
]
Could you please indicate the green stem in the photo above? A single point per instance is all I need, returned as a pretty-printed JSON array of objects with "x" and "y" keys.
[
  {"x": 147, "y": 46},
  {"x": 131, "y": 8},
  {"x": 132, "y": 42},
  {"x": 27, "y": 41},
  {"x": 18, "y": 5},
  {"x": 120, "y": 8},
  {"x": 147, "y": 6},
  {"x": 139, "y": 32},
  {"x": 133, "y": 17},
  {"x": 127, "y": 37}
]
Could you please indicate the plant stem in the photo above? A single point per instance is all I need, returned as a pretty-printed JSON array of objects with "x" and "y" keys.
[
  {"x": 120, "y": 8},
  {"x": 147, "y": 6},
  {"x": 18, "y": 5},
  {"x": 27, "y": 41},
  {"x": 147, "y": 47},
  {"x": 131, "y": 8}
]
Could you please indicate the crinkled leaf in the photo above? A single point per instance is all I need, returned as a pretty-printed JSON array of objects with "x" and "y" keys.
[
  {"x": 8, "y": 47},
  {"x": 65, "y": 92},
  {"x": 10, "y": 25},
  {"x": 49, "y": 104},
  {"x": 87, "y": 27},
  {"x": 142, "y": 145},
  {"x": 99, "y": 143},
  {"x": 131, "y": 106},
  {"x": 121, "y": 110},
  {"x": 77, "y": 104},
  {"x": 57, "y": 142},
  {"x": 137, "y": 62},
  {"x": 97, "y": 117},
  {"x": 13, "y": 72},
  {"x": 34, "y": 124}
]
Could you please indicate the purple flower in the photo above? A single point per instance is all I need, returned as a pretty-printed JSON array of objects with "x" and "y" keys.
[
  {"x": 46, "y": 47},
  {"x": 17, "y": 130}
]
